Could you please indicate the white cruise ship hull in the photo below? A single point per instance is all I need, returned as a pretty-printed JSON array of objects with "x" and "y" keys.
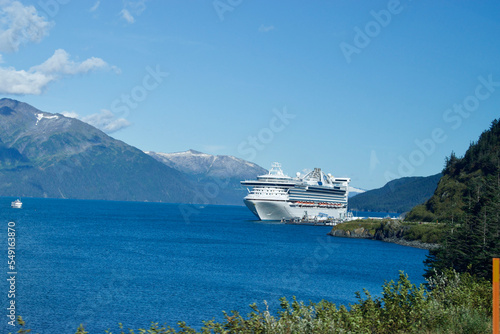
[
  {"x": 278, "y": 210},
  {"x": 269, "y": 210}
]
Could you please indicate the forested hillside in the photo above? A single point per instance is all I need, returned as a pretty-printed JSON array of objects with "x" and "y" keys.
[
  {"x": 467, "y": 200},
  {"x": 399, "y": 195}
]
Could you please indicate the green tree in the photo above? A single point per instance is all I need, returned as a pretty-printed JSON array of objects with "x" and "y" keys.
[{"x": 473, "y": 239}]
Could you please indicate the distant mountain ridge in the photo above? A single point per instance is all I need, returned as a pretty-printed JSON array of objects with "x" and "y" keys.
[
  {"x": 198, "y": 163},
  {"x": 399, "y": 195},
  {"x": 223, "y": 171},
  {"x": 50, "y": 155}
]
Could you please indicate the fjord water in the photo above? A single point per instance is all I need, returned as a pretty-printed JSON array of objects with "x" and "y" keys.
[{"x": 100, "y": 263}]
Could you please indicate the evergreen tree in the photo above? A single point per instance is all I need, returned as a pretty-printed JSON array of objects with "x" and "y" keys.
[{"x": 474, "y": 238}]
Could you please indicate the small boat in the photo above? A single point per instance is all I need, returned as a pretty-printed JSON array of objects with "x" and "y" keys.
[{"x": 17, "y": 204}]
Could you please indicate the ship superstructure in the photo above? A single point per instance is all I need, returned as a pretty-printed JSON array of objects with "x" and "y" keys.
[{"x": 276, "y": 196}]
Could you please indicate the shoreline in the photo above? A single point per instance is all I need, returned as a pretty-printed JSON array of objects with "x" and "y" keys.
[{"x": 395, "y": 235}]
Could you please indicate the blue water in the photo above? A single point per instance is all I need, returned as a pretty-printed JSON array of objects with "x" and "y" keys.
[{"x": 100, "y": 263}]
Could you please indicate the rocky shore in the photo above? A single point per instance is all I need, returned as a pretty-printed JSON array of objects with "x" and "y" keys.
[{"x": 390, "y": 232}]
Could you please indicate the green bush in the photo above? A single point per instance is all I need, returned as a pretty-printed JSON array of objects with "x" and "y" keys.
[
  {"x": 370, "y": 225},
  {"x": 428, "y": 233},
  {"x": 420, "y": 213}
]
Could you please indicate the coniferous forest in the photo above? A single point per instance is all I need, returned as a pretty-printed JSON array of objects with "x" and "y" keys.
[{"x": 467, "y": 200}]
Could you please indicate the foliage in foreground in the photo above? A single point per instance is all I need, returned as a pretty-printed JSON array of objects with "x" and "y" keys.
[{"x": 451, "y": 303}]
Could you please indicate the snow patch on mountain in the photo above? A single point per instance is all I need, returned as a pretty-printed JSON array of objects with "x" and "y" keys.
[
  {"x": 203, "y": 164},
  {"x": 39, "y": 117},
  {"x": 356, "y": 190}
]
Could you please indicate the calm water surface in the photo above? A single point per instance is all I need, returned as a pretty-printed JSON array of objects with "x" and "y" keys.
[{"x": 100, "y": 263}]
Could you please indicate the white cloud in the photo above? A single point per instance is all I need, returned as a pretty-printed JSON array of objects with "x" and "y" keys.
[
  {"x": 106, "y": 121},
  {"x": 95, "y": 6},
  {"x": 116, "y": 69},
  {"x": 116, "y": 125},
  {"x": 264, "y": 28},
  {"x": 132, "y": 8},
  {"x": 22, "y": 82},
  {"x": 127, "y": 16},
  {"x": 137, "y": 6},
  {"x": 60, "y": 63},
  {"x": 35, "y": 80},
  {"x": 70, "y": 114},
  {"x": 20, "y": 24}
]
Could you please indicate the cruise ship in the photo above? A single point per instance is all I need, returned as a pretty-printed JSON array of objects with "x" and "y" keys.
[{"x": 276, "y": 196}]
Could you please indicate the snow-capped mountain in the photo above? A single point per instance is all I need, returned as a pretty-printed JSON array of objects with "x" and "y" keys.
[
  {"x": 353, "y": 191},
  {"x": 202, "y": 164},
  {"x": 223, "y": 173}
]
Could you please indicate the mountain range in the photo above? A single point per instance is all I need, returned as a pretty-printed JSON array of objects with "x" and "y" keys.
[
  {"x": 220, "y": 175},
  {"x": 399, "y": 195},
  {"x": 205, "y": 165},
  {"x": 50, "y": 155}
]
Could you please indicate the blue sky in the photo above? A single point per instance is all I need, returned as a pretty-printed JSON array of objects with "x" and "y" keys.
[{"x": 372, "y": 90}]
